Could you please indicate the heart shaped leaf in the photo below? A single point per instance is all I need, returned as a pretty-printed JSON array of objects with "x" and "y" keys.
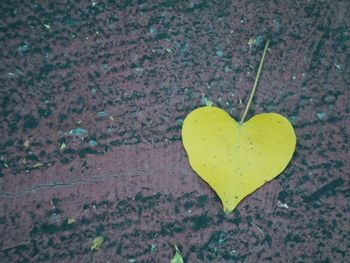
[{"x": 235, "y": 159}]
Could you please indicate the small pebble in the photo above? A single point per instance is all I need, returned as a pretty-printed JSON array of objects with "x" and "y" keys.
[
  {"x": 321, "y": 115},
  {"x": 219, "y": 53}
]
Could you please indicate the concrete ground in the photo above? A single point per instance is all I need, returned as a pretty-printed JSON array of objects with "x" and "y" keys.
[{"x": 93, "y": 95}]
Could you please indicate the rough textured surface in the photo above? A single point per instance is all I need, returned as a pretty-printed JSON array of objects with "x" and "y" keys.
[{"x": 93, "y": 95}]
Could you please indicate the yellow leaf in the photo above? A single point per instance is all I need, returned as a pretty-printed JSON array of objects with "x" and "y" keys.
[
  {"x": 235, "y": 159},
  {"x": 26, "y": 143},
  {"x": 177, "y": 257},
  {"x": 37, "y": 165},
  {"x": 251, "y": 42},
  {"x": 71, "y": 220},
  {"x": 97, "y": 242},
  {"x": 63, "y": 146}
]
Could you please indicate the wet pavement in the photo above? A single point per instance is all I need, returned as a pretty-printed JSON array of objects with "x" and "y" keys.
[{"x": 92, "y": 99}]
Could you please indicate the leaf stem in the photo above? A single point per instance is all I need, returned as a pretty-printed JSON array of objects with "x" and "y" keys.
[{"x": 255, "y": 82}]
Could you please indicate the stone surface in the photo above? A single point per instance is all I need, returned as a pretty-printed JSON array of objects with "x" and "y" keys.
[{"x": 121, "y": 76}]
